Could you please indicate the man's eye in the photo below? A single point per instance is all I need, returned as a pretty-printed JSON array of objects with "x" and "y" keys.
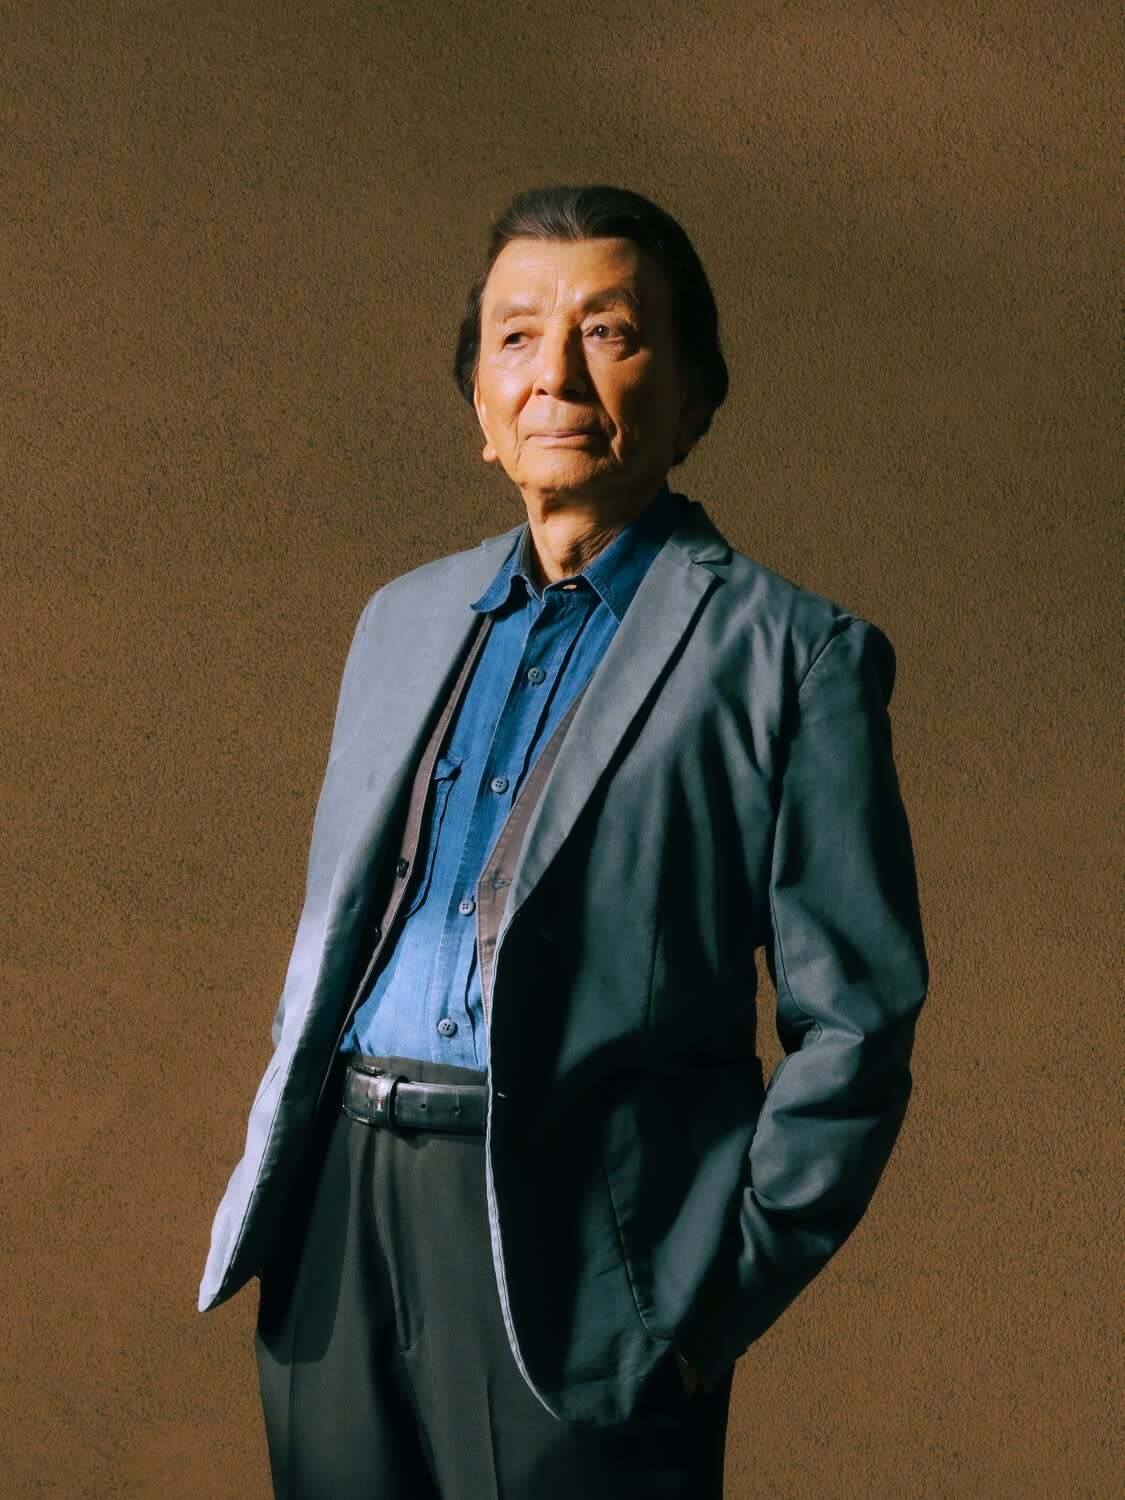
[
  {"x": 517, "y": 333},
  {"x": 604, "y": 332}
]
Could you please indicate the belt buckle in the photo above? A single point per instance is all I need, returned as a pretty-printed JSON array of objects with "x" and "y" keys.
[{"x": 379, "y": 1090}]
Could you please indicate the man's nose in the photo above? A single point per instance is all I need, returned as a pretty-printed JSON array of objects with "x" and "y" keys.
[{"x": 561, "y": 369}]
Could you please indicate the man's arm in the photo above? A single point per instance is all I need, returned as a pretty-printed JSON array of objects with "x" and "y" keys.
[
  {"x": 850, "y": 970},
  {"x": 339, "y": 734}
]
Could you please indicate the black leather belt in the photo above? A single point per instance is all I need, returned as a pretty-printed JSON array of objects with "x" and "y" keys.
[{"x": 379, "y": 1098}]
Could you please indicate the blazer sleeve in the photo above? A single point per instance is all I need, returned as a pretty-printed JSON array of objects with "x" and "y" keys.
[
  {"x": 849, "y": 966},
  {"x": 340, "y": 731}
]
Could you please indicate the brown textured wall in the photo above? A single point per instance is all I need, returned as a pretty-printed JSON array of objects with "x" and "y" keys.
[{"x": 235, "y": 239}]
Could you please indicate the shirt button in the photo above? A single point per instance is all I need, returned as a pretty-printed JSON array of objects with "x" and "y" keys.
[
  {"x": 466, "y": 906},
  {"x": 499, "y": 783},
  {"x": 447, "y": 1026},
  {"x": 535, "y": 674},
  {"x": 402, "y": 867}
]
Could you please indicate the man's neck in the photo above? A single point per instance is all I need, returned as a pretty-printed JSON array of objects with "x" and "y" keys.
[{"x": 566, "y": 535}]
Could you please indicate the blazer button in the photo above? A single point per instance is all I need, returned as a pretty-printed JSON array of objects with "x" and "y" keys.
[
  {"x": 447, "y": 1026},
  {"x": 377, "y": 934},
  {"x": 402, "y": 867}
]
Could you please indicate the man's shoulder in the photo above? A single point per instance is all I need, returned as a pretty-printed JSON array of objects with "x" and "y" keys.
[
  {"x": 791, "y": 622},
  {"x": 782, "y": 597},
  {"x": 417, "y": 584}
]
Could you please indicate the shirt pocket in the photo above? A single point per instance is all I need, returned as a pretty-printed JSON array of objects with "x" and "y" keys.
[{"x": 445, "y": 773}]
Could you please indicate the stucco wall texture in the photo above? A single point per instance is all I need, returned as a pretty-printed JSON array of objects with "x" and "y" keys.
[{"x": 236, "y": 239}]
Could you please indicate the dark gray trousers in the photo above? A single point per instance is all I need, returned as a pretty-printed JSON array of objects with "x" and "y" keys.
[{"x": 384, "y": 1364}]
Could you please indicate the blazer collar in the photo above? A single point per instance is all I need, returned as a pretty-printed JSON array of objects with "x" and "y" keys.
[{"x": 392, "y": 731}]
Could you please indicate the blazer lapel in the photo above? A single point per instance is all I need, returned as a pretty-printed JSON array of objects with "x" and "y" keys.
[
  {"x": 392, "y": 729},
  {"x": 662, "y": 611}
]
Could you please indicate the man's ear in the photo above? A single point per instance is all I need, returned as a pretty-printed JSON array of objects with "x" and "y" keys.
[
  {"x": 693, "y": 411},
  {"x": 489, "y": 453}
]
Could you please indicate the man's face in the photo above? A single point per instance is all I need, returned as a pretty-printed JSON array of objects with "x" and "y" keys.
[{"x": 577, "y": 389}]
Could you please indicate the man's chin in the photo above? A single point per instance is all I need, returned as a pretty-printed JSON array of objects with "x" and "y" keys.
[{"x": 564, "y": 469}]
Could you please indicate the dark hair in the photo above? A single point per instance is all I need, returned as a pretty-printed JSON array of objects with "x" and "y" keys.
[{"x": 596, "y": 212}]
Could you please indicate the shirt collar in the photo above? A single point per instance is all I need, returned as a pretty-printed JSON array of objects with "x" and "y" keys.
[{"x": 615, "y": 573}]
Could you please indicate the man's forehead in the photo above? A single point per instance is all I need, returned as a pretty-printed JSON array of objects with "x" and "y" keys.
[{"x": 596, "y": 273}]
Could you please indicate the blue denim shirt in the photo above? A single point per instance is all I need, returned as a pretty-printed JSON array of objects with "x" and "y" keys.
[{"x": 425, "y": 1001}]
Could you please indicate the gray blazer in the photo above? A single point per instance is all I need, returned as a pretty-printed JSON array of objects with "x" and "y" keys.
[{"x": 727, "y": 783}]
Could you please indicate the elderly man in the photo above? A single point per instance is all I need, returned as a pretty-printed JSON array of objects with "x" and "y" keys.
[{"x": 514, "y": 1186}]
